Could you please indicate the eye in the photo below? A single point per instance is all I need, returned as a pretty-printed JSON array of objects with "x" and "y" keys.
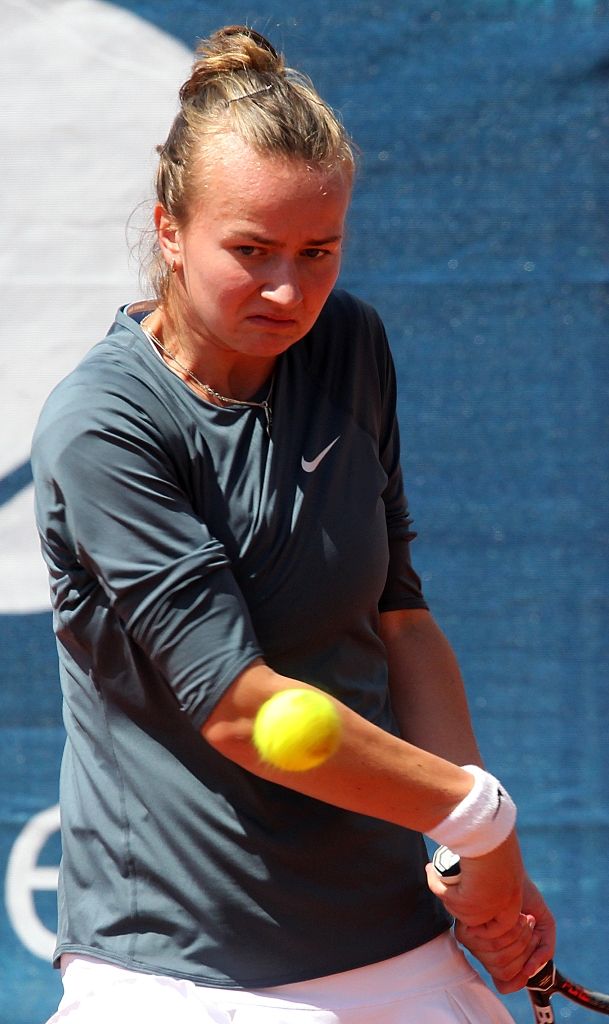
[
  {"x": 315, "y": 254},
  {"x": 248, "y": 250}
]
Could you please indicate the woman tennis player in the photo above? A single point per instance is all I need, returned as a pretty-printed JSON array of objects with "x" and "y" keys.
[{"x": 221, "y": 509}]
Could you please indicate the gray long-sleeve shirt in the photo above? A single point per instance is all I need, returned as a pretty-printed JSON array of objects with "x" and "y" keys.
[{"x": 183, "y": 543}]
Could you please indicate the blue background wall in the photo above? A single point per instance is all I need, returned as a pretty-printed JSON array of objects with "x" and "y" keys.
[{"x": 479, "y": 229}]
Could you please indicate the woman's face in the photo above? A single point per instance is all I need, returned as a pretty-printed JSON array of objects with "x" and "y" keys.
[{"x": 261, "y": 250}]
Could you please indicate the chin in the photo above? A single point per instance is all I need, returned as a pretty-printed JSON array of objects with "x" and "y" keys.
[{"x": 273, "y": 344}]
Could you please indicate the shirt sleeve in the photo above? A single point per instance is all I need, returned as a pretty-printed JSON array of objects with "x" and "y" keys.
[
  {"x": 403, "y": 587},
  {"x": 113, "y": 513}
]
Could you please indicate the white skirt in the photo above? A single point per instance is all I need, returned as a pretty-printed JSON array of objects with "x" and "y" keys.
[{"x": 433, "y": 984}]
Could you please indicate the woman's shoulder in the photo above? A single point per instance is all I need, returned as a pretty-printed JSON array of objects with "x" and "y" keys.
[
  {"x": 112, "y": 387},
  {"x": 344, "y": 309},
  {"x": 348, "y": 339},
  {"x": 347, "y": 355},
  {"x": 114, "y": 370}
]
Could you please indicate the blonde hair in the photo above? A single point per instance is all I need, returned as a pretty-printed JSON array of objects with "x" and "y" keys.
[{"x": 239, "y": 83}]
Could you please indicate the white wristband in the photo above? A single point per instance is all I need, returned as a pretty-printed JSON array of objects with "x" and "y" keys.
[{"x": 481, "y": 822}]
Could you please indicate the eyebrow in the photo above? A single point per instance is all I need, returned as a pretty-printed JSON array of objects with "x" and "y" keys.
[{"x": 310, "y": 243}]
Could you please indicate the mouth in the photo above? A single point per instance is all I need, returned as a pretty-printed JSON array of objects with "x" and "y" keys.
[{"x": 264, "y": 320}]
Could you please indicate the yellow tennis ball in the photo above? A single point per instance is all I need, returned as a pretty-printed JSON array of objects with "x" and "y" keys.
[{"x": 296, "y": 730}]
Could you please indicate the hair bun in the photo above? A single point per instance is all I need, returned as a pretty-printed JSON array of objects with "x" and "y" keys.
[
  {"x": 230, "y": 50},
  {"x": 249, "y": 33}
]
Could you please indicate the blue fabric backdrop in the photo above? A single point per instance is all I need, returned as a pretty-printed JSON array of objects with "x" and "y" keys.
[{"x": 479, "y": 229}]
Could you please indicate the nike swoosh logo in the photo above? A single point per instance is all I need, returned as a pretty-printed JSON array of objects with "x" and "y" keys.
[
  {"x": 499, "y": 799},
  {"x": 310, "y": 467}
]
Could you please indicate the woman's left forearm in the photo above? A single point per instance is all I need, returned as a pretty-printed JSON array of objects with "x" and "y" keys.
[
  {"x": 427, "y": 691},
  {"x": 431, "y": 707}
]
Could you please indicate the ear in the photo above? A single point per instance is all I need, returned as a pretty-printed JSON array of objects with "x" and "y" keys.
[{"x": 168, "y": 235}]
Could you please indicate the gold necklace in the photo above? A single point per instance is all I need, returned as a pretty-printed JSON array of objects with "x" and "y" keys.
[{"x": 265, "y": 404}]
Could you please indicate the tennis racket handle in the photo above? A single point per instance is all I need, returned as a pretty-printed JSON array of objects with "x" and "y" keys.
[
  {"x": 544, "y": 979},
  {"x": 447, "y": 864}
]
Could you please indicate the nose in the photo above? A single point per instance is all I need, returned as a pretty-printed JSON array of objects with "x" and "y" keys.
[{"x": 283, "y": 285}]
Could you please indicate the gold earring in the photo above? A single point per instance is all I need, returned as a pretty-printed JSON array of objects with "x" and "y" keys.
[{"x": 173, "y": 267}]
